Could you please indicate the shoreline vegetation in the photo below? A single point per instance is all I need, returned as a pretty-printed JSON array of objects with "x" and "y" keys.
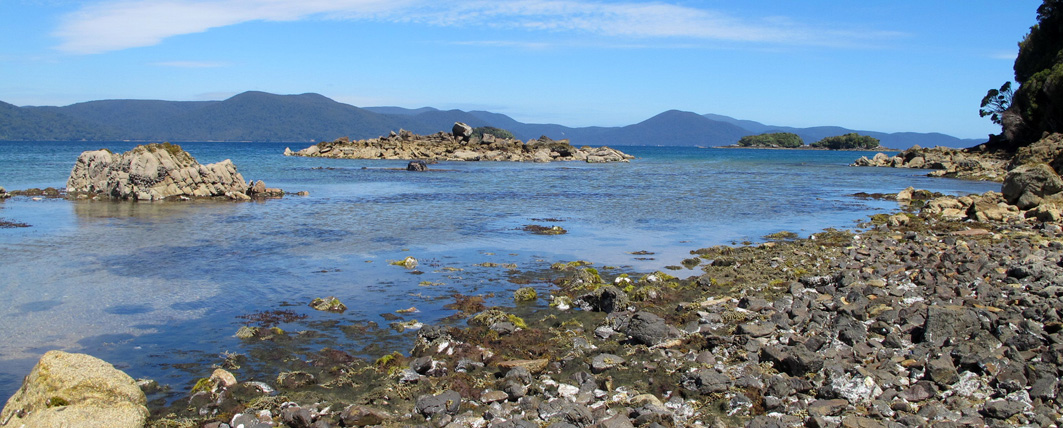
[
  {"x": 787, "y": 140},
  {"x": 877, "y": 149}
]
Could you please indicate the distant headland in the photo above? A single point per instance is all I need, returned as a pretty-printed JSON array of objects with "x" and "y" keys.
[{"x": 264, "y": 117}]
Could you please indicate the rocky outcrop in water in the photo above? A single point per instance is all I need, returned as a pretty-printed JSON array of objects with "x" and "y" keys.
[
  {"x": 73, "y": 390},
  {"x": 459, "y": 145},
  {"x": 158, "y": 172}
]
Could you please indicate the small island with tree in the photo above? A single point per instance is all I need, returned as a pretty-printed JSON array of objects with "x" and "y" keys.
[{"x": 788, "y": 140}]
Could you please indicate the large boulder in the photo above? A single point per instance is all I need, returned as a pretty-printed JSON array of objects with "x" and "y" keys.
[
  {"x": 461, "y": 131},
  {"x": 1027, "y": 185},
  {"x": 72, "y": 390},
  {"x": 153, "y": 172}
]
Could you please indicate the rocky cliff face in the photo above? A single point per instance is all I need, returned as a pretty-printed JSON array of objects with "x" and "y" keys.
[
  {"x": 155, "y": 172},
  {"x": 459, "y": 145}
]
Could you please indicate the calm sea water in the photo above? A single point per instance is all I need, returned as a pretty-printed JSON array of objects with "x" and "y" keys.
[{"x": 156, "y": 288}]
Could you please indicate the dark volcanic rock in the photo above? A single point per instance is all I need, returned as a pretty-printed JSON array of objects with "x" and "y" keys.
[
  {"x": 606, "y": 299},
  {"x": 648, "y": 329},
  {"x": 949, "y": 324},
  {"x": 447, "y": 402},
  {"x": 707, "y": 381},
  {"x": 417, "y": 166}
]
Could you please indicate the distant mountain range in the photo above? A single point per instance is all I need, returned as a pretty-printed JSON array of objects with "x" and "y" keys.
[{"x": 265, "y": 117}]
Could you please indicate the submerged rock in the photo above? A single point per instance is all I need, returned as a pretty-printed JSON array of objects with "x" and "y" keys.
[
  {"x": 66, "y": 389},
  {"x": 417, "y": 166},
  {"x": 328, "y": 304}
]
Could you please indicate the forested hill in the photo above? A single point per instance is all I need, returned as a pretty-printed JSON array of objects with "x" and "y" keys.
[{"x": 265, "y": 117}]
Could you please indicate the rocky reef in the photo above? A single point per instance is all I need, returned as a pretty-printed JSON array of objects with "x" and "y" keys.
[
  {"x": 158, "y": 172},
  {"x": 459, "y": 145}
]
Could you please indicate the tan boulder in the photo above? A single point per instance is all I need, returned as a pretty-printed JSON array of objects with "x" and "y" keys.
[
  {"x": 69, "y": 390},
  {"x": 1027, "y": 185}
]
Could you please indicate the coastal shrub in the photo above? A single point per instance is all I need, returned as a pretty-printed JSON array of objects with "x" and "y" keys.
[
  {"x": 848, "y": 141},
  {"x": 996, "y": 102},
  {"x": 1036, "y": 106},
  {"x": 490, "y": 130},
  {"x": 774, "y": 139}
]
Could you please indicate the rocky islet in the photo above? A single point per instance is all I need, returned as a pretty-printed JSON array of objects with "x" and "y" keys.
[
  {"x": 459, "y": 145},
  {"x": 158, "y": 172}
]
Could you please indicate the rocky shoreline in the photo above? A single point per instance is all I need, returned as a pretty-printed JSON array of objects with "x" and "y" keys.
[
  {"x": 944, "y": 161},
  {"x": 944, "y": 313},
  {"x": 976, "y": 163},
  {"x": 459, "y": 145}
]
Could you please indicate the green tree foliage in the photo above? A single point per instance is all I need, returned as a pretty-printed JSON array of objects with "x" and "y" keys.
[
  {"x": 1037, "y": 106},
  {"x": 1042, "y": 48},
  {"x": 851, "y": 140},
  {"x": 996, "y": 102},
  {"x": 774, "y": 139},
  {"x": 490, "y": 130}
]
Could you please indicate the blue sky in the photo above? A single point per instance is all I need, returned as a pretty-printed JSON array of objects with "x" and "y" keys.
[{"x": 893, "y": 66}]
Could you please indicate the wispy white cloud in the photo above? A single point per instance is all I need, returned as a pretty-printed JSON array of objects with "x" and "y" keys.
[
  {"x": 1007, "y": 56},
  {"x": 191, "y": 64},
  {"x": 120, "y": 24},
  {"x": 507, "y": 44}
]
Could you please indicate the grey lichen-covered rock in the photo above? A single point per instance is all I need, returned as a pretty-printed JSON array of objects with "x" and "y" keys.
[
  {"x": 153, "y": 172},
  {"x": 66, "y": 389},
  {"x": 460, "y": 145}
]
